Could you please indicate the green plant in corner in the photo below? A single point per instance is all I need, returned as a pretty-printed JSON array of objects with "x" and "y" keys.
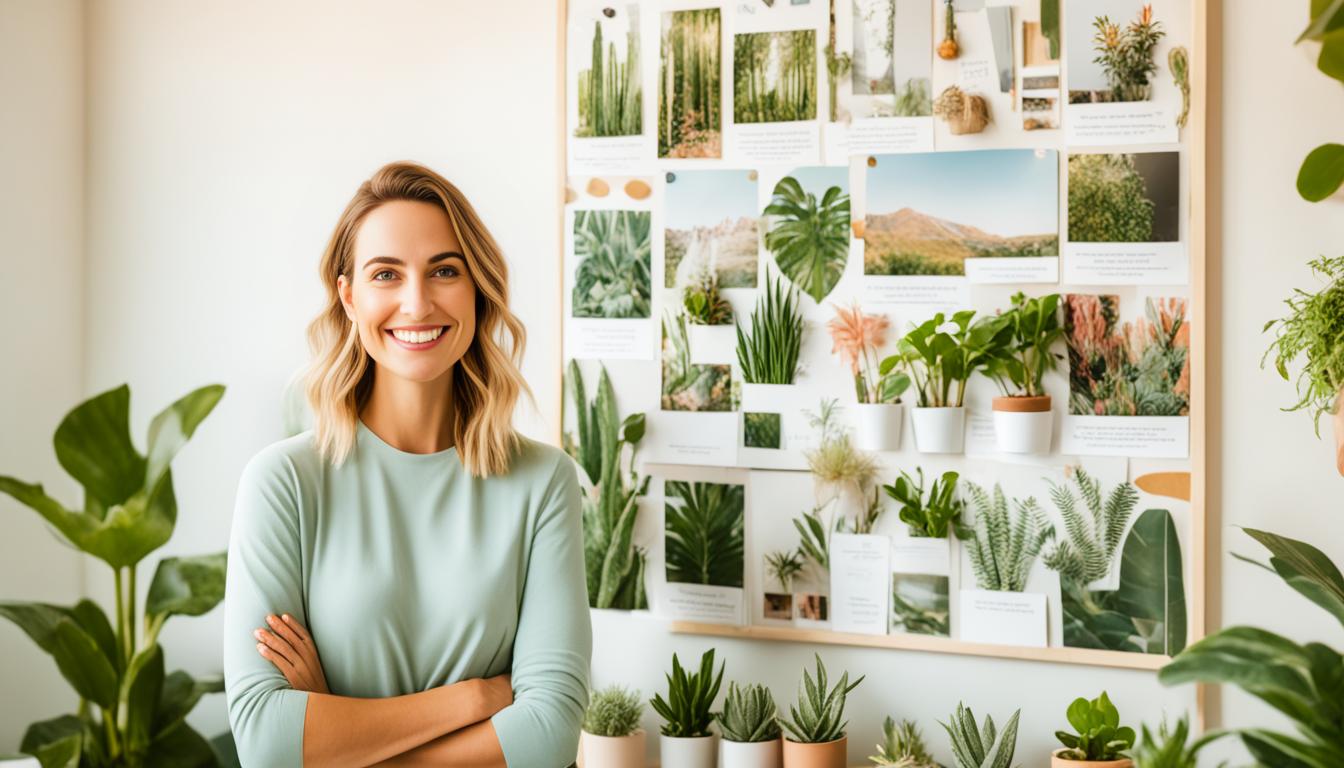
[
  {"x": 1313, "y": 331},
  {"x": 689, "y": 697},
  {"x": 130, "y": 712},
  {"x": 614, "y": 565},
  {"x": 1322, "y": 171},
  {"x": 613, "y": 711},
  {"x": 927, "y": 515},
  {"x": 783, "y": 566},
  {"x": 748, "y": 714},
  {"x": 902, "y": 746},
  {"x": 1098, "y": 732},
  {"x": 1172, "y": 748},
  {"x": 1003, "y": 547},
  {"x": 976, "y": 747},
  {"x": 769, "y": 353},
  {"x": 819, "y": 716},
  {"x": 1023, "y": 350}
]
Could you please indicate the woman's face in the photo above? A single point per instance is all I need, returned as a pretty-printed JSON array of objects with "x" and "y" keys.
[{"x": 409, "y": 293}]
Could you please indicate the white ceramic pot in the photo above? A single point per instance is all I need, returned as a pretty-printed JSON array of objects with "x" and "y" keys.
[
  {"x": 1023, "y": 424},
  {"x": 939, "y": 430},
  {"x": 614, "y": 751},
  {"x": 770, "y": 398},
  {"x": 750, "y": 754},
  {"x": 688, "y": 751},
  {"x": 877, "y": 426}
]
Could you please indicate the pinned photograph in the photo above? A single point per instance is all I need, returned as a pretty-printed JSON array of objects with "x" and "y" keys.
[
  {"x": 808, "y": 228},
  {"x": 761, "y": 430},
  {"x": 777, "y": 606},
  {"x": 1124, "y": 198},
  {"x": 890, "y": 70},
  {"x": 775, "y": 76},
  {"x": 711, "y": 227},
  {"x": 1040, "y": 93},
  {"x": 610, "y": 97},
  {"x": 689, "y": 386},
  {"x": 703, "y": 527},
  {"x": 812, "y": 606},
  {"x": 612, "y": 278},
  {"x": 920, "y": 604},
  {"x": 1137, "y": 368},
  {"x": 690, "y": 123},
  {"x": 1112, "y": 51}
]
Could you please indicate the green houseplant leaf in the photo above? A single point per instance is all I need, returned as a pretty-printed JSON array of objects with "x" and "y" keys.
[
  {"x": 809, "y": 237},
  {"x": 689, "y": 698},
  {"x": 1152, "y": 584},
  {"x": 1322, "y": 172}
]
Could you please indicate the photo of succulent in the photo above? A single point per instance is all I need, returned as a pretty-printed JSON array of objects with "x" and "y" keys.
[
  {"x": 612, "y": 279},
  {"x": 1138, "y": 368}
]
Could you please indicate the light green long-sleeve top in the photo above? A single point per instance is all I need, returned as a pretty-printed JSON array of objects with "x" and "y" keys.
[{"x": 410, "y": 574}]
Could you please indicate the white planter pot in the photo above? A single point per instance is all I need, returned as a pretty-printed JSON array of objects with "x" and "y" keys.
[
  {"x": 1023, "y": 424},
  {"x": 770, "y": 398},
  {"x": 712, "y": 344},
  {"x": 614, "y": 751},
  {"x": 877, "y": 426},
  {"x": 689, "y": 751},
  {"x": 743, "y": 754},
  {"x": 939, "y": 430}
]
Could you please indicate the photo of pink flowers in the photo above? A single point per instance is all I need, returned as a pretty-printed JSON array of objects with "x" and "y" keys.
[{"x": 1137, "y": 368}]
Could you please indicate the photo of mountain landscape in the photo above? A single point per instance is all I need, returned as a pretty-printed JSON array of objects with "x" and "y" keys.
[
  {"x": 712, "y": 225},
  {"x": 929, "y": 212}
]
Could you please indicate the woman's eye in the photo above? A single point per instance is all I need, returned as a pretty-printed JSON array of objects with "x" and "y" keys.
[
  {"x": 383, "y": 272},
  {"x": 451, "y": 271}
]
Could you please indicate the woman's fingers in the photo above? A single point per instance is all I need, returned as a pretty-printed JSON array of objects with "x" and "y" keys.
[
  {"x": 298, "y": 628},
  {"x": 277, "y": 645},
  {"x": 281, "y": 663},
  {"x": 286, "y": 631}
]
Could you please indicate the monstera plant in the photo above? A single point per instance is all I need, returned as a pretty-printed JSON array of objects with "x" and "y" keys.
[{"x": 131, "y": 713}]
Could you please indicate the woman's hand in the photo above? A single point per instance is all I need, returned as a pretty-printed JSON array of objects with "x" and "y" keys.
[{"x": 290, "y": 648}]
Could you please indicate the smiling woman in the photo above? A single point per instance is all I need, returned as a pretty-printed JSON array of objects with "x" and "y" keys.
[{"x": 406, "y": 580}]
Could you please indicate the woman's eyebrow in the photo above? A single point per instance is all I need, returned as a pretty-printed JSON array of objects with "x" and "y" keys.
[{"x": 432, "y": 259}]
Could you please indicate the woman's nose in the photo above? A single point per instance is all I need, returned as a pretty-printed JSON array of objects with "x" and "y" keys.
[{"x": 415, "y": 302}]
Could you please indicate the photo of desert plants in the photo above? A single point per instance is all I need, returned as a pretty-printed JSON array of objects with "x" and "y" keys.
[
  {"x": 775, "y": 76},
  {"x": 687, "y": 386},
  {"x": 1112, "y": 51},
  {"x": 613, "y": 278},
  {"x": 930, "y": 212},
  {"x": 608, "y": 87},
  {"x": 690, "y": 120},
  {"x": 1138, "y": 368},
  {"x": 890, "y": 72},
  {"x": 808, "y": 228},
  {"x": 1125, "y": 198},
  {"x": 711, "y": 226},
  {"x": 703, "y": 532},
  {"x": 919, "y": 604}
]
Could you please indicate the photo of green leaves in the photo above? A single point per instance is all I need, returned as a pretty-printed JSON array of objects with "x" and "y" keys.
[
  {"x": 688, "y": 386},
  {"x": 1125, "y": 198},
  {"x": 609, "y": 91},
  {"x": 690, "y": 120},
  {"x": 1139, "y": 368},
  {"x": 807, "y": 228},
  {"x": 703, "y": 527},
  {"x": 1112, "y": 51},
  {"x": 761, "y": 430},
  {"x": 775, "y": 76},
  {"x": 920, "y": 604},
  {"x": 613, "y": 278}
]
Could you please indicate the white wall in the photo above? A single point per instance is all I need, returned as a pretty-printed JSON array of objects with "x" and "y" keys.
[
  {"x": 224, "y": 138},
  {"x": 41, "y": 344}
]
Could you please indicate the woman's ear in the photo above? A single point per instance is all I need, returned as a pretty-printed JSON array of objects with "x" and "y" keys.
[{"x": 346, "y": 293}]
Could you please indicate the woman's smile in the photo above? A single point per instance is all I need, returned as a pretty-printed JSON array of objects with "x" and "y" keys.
[{"x": 417, "y": 338}]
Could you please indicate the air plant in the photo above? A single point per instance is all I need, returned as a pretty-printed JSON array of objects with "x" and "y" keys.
[
  {"x": 857, "y": 337},
  {"x": 902, "y": 746},
  {"x": 783, "y": 566},
  {"x": 836, "y": 464}
]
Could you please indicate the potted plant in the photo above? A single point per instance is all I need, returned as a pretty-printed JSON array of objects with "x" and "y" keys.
[
  {"x": 1022, "y": 417},
  {"x": 975, "y": 747},
  {"x": 1170, "y": 749},
  {"x": 902, "y": 746},
  {"x": 768, "y": 353},
  {"x": 1003, "y": 546},
  {"x": 1099, "y": 740},
  {"x": 927, "y": 515},
  {"x": 611, "y": 735},
  {"x": 709, "y": 317},
  {"x": 750, "y": 728},
  {"x": 1314, "y": 332},
  {"x": 856, "y": 337},
  {"x": 840, "y": 470},
  {"x": 816, "y": 734},
  {"x": 942, "y": 355},
  {"x": 130, "y": 713},
  {"x": 686, "y": 739}
]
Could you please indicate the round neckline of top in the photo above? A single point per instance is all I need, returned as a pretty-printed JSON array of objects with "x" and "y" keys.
[{"x": 386, "y": 446}]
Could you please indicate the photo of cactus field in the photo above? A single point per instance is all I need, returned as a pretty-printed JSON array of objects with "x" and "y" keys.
[
  {"x": 775, "y": 76},
  {"x": 1139, "y": 368},
  {"x": 609, "y": 91},
  {"x": 690, "y": 119}
]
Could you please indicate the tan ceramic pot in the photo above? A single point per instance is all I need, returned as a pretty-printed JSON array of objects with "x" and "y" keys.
[
  {"x": 1058, "y": 762},
  {"x": 830, "y": 754}
]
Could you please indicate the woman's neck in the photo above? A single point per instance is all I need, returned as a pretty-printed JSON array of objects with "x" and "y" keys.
[{"x": 411, "y": 416}]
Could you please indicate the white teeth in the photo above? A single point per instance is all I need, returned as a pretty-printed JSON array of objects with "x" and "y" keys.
[{"x": 417, "y": 337}]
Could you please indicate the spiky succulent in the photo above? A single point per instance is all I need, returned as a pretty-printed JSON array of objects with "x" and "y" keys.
[
  {"x": 613, "y": 711},
  {"x": 819, "y": 716},
  {"x": 902, "y": 746},
  {"x": 1170, "y": 748},
  {"x": 1003, "y": 547},
  {"x": 749, "y": 714},
  {"x": 1087, "y": 553},
  {"x": 689, "y": 697},
  {"x": 976, "y": 747}
]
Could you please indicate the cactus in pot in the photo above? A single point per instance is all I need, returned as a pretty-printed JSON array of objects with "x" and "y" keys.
[
  {"x": 750, "y": 727},
  {"x": 612, "y": 737}
]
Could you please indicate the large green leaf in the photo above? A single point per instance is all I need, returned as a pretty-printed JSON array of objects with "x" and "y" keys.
[
  {"x": 1327, "y": 16},
  {"x": 181, "y": 747},
  {"x": 45, "y": 732},
  {"x": 1322, "y": 172},
  {"x": 1152, "y": 584},
  {"x": 92, "y": 620},
  {"x": 1305, "y": 569},
  {"x": 61, "y": 754},
  {"x": 186, "y": 586},
  {"x": 139, "y": 697},
  {"x": 93, "y": 443},
  {"x": 174, "y": 426},
  {"x": 82, "y": 663},
  {"x": 1331, "y": 60},
  {"x": 178, "y": 696},
  {"x": 1091, "y": 620}
]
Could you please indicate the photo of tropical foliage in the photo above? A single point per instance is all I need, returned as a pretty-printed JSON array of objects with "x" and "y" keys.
[
  {"x": 711, "y": 226},
  {"x": 609, "y": 91},
  {"x": 775, "y": 76},
  {"x": 1125, "y": 198},
  {"x": 808, "y": 228},
  {"x": 703, "y": 527},
  {"x": 613, "y": 278},
  {"x": 687, "y": 386},
  {"x": 890, "y": 72},
  {"x": 1139, "y": 368},
  {"x": 1112, "y": 51},
  {"x": 930, "y": 212},
  {"x": 761, "y": 430},
  {"x": 690, "y": 120},
  {"x": 919, "y": 604}
]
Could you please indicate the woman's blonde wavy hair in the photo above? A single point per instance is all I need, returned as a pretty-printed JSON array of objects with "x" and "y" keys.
[{"x": 486, "y": 381}]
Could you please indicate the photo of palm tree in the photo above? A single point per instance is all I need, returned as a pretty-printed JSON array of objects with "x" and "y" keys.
[
  {"x": 1139, "y": 368},
  {"x": 688, "y": 386},
  {"x": 613, "y": 278},
  {"x": 711, "y": 226},
  {"x": 891, "y": 71},
  {"x": 690, "y": 123},
  {"x": 930, "y": 212},
  {"x": 703, "y": 532},
  {"x": 609, "y": 92},
  {"x": 775, "y": 76},
  {"x": 808, "y": 228}
]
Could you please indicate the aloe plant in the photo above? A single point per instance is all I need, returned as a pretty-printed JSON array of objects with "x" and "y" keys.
[
  {"x": 976, "y": 747},
  {"x": 749, "y": 714},
  {"x": 1171, "y": 747},
  {"x": 768, "y": 354},
  {"x": 819, "y": 715},
  {"x": 689, "y": 697},
  {"x": 614, "y": 565},
  {"x": 1003, "y": 546},
  {"x": 613, "y": 711},
  {"x": 131, "y": 712},
  {"x": 902, "y": 746},
  {"x": 1098, "y": 732},
  {"x": 704, "y": 527},
  {"x": 927, "y": 514},
  {"x": 613, "y": 278}
]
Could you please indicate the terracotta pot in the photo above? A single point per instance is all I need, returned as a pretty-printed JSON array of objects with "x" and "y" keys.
[
  {"x": 688, "y": 751},
  {"x": 939, "y": 430},
  {"x": 877, "y": 426},
  {"x": 750, "y": 754},
  {"x": 1058, "y": 762},
  {"x": 614, "y": 751},
  {"x": 1023, "y": 424},
  {"x": 830, "y": 754},
  {"x": 1339, "y": 432}
]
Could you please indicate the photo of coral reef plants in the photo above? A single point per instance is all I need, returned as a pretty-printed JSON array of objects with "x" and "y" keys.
[
  {"x": 807, "y": 228},
  {"x": 690, "y": 120},
  {"x": 1138, "y": 368},
  {"x": 688, "y": 386},
  {"x": 609, "y": 91},
  {"x": 1125, "y": 198},
  {"x": 929, "y": 212},
  {"x": 890, "y": 73},
  {"x": 775, "y": 76},
  {"x": 703, "y": 532},
  {"x": 612, "y": 279},
  {"x": 711, "y": 226}
]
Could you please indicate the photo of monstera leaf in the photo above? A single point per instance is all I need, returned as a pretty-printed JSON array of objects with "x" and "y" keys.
[{"x": 808, "y": 228}]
